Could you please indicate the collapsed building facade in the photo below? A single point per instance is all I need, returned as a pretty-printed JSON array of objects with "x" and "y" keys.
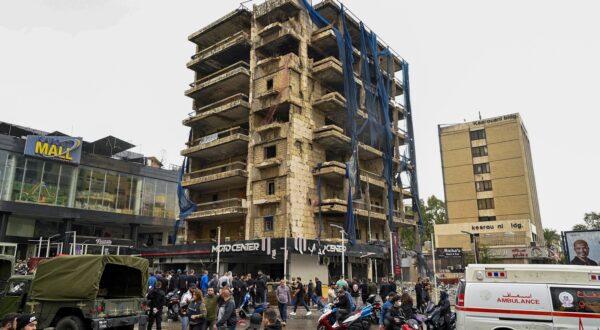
[{"x": 297, "y": 127}]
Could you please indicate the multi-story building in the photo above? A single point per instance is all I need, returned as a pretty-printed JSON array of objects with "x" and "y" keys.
[
  {"x": 490, "y": 190},
  {"x": 56, "y": 189},
  {"x": 269, "y": 143}
]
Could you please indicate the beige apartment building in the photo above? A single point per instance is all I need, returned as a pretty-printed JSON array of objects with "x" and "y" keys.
[
  {"x": 269, "y": 142},
  {"x": 490, "y": 190}
]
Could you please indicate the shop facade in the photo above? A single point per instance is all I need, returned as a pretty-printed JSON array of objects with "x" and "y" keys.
[{"x": 56, "y": 190}]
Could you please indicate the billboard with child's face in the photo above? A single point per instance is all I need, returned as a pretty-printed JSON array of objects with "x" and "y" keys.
[{"x": 582, "y": 247}]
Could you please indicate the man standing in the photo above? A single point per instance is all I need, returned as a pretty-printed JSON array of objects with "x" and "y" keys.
[
  {"x": 183, "y": 281},
  {"x": 372, "y": 287},
  {"x": 419, "y": 293},
  {"x": 226, "y": 312},
  {"x": 224, "y": 281},
  {"x": 284, "y": 298},
  {"x": 204, "y": 282},
  {"x": 211, "y": 308},
  {"x": 300, "y": 298},
  {"x": 261, "y": 288},
  {"x": 364, "y": 291},
  {"x": 237, "y": 291},
  {"x": 392, "y": 285},
  {"x": 251, "y": 287},
  {"x": 191, "y": 278},
  {"x": 156, "y": 299},
  {"x": 184, "y": 302},
  {"x": 151, "y": 281},
  {"x": 582, "y": 250},
  {"x": 318, "y": 288},
  {"x": 355, "y": 290},
  {"x": 384, "y": 289},
  {"x": 214, "y": 283}
]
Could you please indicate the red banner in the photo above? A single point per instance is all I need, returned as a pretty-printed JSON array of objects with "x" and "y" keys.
[{"x": 397, "y": 259}]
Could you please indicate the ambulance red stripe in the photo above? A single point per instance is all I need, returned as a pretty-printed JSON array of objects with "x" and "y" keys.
[{"x": 526, "y": 312}]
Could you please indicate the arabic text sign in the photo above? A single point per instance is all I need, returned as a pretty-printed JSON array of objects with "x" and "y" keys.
[
  {"x": 591, "y": 239},
  {"x": 448, "y": 253},
  {"x": 63, "y": 148}
]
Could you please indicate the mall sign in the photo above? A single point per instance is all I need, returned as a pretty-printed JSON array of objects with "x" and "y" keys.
[{"x": 62, "y": 148}]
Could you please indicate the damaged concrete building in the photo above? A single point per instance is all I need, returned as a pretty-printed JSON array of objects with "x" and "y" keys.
[{"x": 271, "y": 138}]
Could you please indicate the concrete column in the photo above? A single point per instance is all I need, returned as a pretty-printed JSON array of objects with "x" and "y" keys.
[
  {"x": 133, "y": 233},
  {"x": 3, "y": 225}
]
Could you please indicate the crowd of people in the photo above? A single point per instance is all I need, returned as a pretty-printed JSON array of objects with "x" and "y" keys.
[{"x": 210, "y": 302}]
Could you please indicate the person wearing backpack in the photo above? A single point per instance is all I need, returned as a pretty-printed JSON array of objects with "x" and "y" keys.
[
  {"x": 300, "y": 298},
  {"x": 197, "y": 311}
]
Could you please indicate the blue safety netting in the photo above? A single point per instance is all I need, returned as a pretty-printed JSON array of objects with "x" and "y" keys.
[{"x": 186, "y": 206}]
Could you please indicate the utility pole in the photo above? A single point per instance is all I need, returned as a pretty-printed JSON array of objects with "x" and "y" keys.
[{"x": 218, "y": 248}]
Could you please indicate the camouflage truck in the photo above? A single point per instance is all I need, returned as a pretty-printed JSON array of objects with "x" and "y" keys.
[{"x": 79, "y": 292}]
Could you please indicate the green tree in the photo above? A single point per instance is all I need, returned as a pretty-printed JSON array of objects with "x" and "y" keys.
[
  {"x": 433, "y": 212},
  {"x": 485, "y": 257},
  {"x": 551, "y": 237},
  {"x": 591, "y": 220}
]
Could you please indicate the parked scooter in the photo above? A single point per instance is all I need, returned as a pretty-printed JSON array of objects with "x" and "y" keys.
[
  {"x": 358, "y": 320},
  {"x": 172, "y": 299},
  {"x": 434, "y": 320},
  {"x": 247, "y": 308}
]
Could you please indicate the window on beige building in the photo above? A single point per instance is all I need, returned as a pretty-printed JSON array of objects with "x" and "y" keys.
[
  {"x": 268, "y": 223},
  {"x": 481, "y": 168},
  {"x": 479, "y": 151},
  {"x": 270, "y": 152},
  {"x": 271, "y": 188},
  {"x": 483, "y": 185},
  {"x": 478, "y": 134},
  {"x": 485, "y": 203},
  {"x": 493, "y": 218}
]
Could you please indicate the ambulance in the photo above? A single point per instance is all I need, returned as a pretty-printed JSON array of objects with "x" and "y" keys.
[{"x": 503, "y": 297}]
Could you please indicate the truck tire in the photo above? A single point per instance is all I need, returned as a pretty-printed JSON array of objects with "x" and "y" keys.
[{"x": 70, "y": 323}]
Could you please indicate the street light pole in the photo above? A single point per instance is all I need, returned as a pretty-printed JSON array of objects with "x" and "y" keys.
[
  {"x": 343, "y": 249},
  {"x": 218, "y": 248},
  {"x": 472, "y": 236},
  {"x": 433, "y": 256},
  {"x": 74, "y": 247},
  {"x": 285, "y": 254}
]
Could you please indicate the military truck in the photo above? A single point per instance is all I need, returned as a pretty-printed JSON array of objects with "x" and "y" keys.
[{"x": 79, "y": 292}]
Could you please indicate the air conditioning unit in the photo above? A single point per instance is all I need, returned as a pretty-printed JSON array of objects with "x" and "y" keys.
[{"x": 227, "y": 239}]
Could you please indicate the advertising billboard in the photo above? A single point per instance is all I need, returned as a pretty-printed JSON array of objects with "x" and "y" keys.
[
  {"x": 582, "y": 247},
  {"x": 61, "y": 148}
]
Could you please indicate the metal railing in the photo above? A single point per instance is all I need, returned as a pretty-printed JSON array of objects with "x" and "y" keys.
[
  {"x": 221, "y": 204},
  {"x": 215, "y": 170},
  {"x": 216, "y": 136}
]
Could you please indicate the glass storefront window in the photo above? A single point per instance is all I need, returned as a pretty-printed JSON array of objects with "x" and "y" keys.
[
  {"x": 82, "y": 193},
  {"x": 3, "y": 171},
  {"x": 124, "y": 194},
  {"x": 148, "y": 196},
  {"x": 97, "y": 189},
  {"x": 49, "y": 183},
  {"x": 110, "y": 191},
  {"x": 160, "y": 199},
  {"x": 32, "y": 183},
  {"x": 172, "y": 206},
  {"x": 136, "y": 195},
  {"x": 64, "y": 195}
]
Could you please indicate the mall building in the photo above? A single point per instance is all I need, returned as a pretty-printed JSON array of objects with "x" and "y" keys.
[
  {"x": 490, "y": 190},
  {"x": 55, "y": 189}
]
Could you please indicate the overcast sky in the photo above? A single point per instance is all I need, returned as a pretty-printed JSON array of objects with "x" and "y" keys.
[{"x": 94, "y": 68}]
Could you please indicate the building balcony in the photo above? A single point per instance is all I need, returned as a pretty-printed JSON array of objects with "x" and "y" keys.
[
  {"x": 395, "y": 106},
  {"x": 230, "y": 111},
  {"x": 333, "y": 138},
  {"x": 217, "y": 146},
  {"x": 333, "y": 105},
  {"x": 335, "y": 171},
  {"x": 278, "y": 38},
  {"x": 276, "y": 11},
  {"x": 235, "y": 21},
  {"x": 336, "y": 206},
  {"x": 231, "y": 80},
  {"x": 232, "y": 175},
  {"x": 222, "y": 54},
  {"x": 233, "y": 209}
]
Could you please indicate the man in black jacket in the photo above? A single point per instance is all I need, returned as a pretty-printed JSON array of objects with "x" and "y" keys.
[
  {"x": 419, "y": 293},
  {"x": 343, "y": 305},
  {"x": 261, "y": 288},
  {"x": 364, "y": 291},
  {"x": 384, "y": 289},
  {"x": 227, "y": 311},
  {"x": 157, "y": 300}
]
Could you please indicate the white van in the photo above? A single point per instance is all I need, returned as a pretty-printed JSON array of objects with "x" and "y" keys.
[{"x": 502, "y": 297}]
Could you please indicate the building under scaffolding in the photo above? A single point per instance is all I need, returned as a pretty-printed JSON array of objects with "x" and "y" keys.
[{"x": 301, "y": 122}]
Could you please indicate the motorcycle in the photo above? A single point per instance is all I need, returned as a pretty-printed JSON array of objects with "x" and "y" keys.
[
  {"x": 434, "y": 320},
  {"x": 172, "y": 299},
  {"x": 247, "y": 308},
  {"x": 358, "y": 320}
]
